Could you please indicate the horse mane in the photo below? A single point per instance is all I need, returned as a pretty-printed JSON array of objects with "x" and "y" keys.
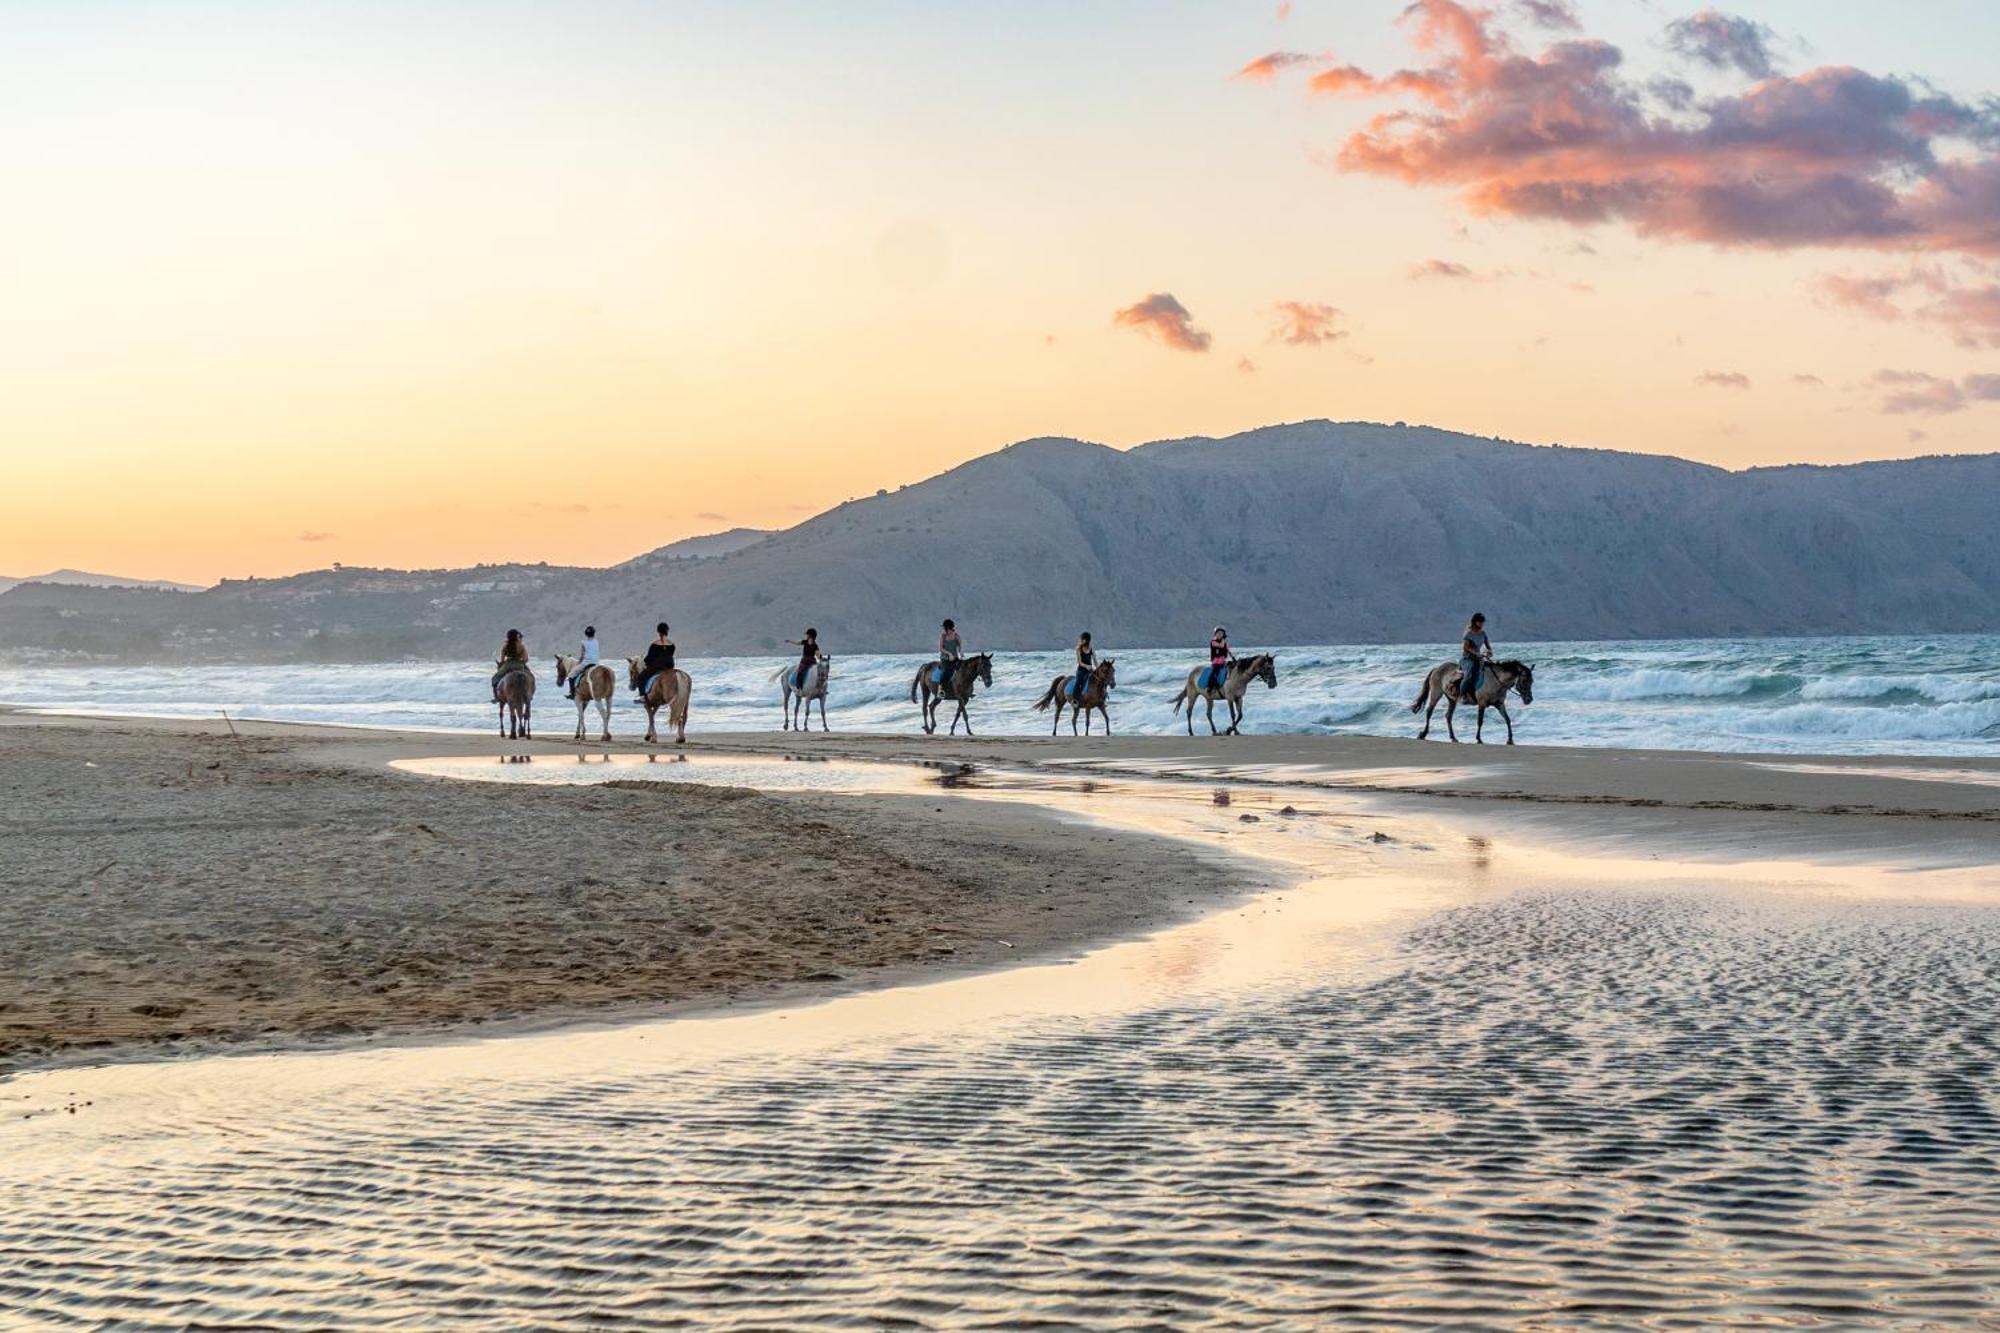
[{"x": 1514, "y": 664}]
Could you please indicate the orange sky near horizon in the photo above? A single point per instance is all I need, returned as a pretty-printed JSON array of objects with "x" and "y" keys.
[{"x": 296, "y": 284}]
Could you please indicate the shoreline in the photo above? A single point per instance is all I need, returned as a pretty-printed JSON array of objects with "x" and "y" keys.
[{"x": 900, "y": 912}]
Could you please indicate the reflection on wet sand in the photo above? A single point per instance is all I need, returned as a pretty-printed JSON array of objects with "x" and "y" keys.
[{"x": 1442, "y": 1078}]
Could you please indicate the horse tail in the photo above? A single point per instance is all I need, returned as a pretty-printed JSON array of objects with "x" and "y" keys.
[
  {"x": 1423, "y": 693},
  {"x": 916, "y": 682},
  {"x": 1043, "y": 703},
  {"x": 680, "y": 713},
  {"x": 1181, "y": 698}
]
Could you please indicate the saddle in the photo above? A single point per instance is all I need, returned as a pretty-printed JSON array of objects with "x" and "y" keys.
[{"x": 1212, "y": 676}]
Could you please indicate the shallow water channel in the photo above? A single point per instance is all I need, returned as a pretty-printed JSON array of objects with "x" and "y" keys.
[{"x": 1444, "y": 1076}]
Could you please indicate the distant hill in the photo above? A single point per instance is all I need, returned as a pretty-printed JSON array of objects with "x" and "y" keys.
[
  {"x": 700, "y": 548},
  {"x": 80, "y": 578},
  {"x": 1314, "y": 532}
]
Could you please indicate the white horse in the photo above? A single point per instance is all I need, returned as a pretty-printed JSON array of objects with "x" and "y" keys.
[
  {"x": 814, "y": 688},
  {"x": 594, "y": 685}
]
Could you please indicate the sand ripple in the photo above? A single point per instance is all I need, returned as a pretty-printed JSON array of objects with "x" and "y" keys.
[{"x": 1557, "y": 1109}]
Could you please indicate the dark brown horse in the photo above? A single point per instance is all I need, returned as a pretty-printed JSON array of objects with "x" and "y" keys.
[
  {"x": 1096, "y": 694},
  {"x": 514, "y": 692},
  {"x": 960, "y": 679}
]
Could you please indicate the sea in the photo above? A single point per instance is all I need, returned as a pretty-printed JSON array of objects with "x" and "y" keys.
[{"x": 1861, "y": 695}]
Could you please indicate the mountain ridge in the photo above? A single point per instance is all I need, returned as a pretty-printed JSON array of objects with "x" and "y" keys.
[{"x": 1308, "y": 532}]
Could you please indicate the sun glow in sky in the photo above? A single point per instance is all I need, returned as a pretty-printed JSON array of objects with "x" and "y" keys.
[{"x": 431, "y": 284}]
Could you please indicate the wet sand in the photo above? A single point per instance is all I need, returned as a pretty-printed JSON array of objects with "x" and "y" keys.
[
  {"x": 174, "y": 882},
  {"x": 1456, "y": 1072}
]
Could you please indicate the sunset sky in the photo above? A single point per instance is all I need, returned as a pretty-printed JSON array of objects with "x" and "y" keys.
[{"x": 425, "y": 284}]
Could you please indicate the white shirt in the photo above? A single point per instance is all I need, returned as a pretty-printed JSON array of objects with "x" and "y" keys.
[{"x": 589, "y": 654}]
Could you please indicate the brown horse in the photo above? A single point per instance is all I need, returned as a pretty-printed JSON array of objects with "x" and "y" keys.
[
  {"x": 514, "y": 692},
  {"x": 1441, "y": 685},
  {"x": 964, "y": 676},
  {"x": 668, "y": 690},
  {"x": 595, "y": 684},
  {"x": 1234, "y": 684},
  {"x": 1095, "y": 695}
]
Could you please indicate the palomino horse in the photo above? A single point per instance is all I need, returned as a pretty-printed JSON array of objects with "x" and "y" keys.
[
  {"x": 958, "y": 683},
  {"x": 668, "y": 690},
  {"x": 1096, "y": 695},
  {"x": 594, "y": 685},
  {"x": 814, "y": 688},
  {"x": 1494, "y": 682},
  {"x": 1235, "y": 682},
  {"x": 515, "y": 694}
]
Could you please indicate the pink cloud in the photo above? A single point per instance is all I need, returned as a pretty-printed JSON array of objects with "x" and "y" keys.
[
  {"x": 1443, "y": 268},
  {"x": 1724, "y": 41},
  {"x": 1915, "y": 391},
  {"x": 1723, "y": 379},
  {"x": 1266, "y": 68},
  {"x": 1161, "y": 316},
  {"x": 1832, "y": 156},
  {"x": 1306, "y": 324},
  {"x": 1969, "y": 313}
]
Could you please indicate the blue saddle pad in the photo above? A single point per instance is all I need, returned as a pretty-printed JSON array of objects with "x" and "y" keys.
[
  {"x": 937, "y": 675},
  {"x": 1213, "y": 676}
]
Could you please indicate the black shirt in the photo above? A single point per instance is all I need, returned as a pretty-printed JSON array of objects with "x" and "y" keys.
[{"x": 659, "y": 657}]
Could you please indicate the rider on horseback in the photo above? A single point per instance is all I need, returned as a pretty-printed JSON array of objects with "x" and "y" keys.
[
  {"x": 808, "y": 656},
  {"x": 1475, "y": 650},
  {"x": 659, "y": 658},
  {"x": 1218, "y": 657},
  {"x": 1086, "y": 658},
  {"x": 586, "y": 657},
  {"x": 950, "y": 650},
  {"x": 513, "y": 657}
]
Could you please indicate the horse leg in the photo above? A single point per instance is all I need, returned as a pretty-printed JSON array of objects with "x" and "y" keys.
[
  {"x": 966, "y": 715},
  {"x": 822, "y": 710},
  {"x": 1106, "y": 710},
  {"x": 1502, "y": 706},
  {"x": 1056, "y": 721},
  {"x": 1479, "y": 724},
  {"x": 1190, "y": 711},
  {"x": 1211, "y": 718},
  {"x": 604, "y": 716},
  {"x": 1450, "y": 707}
]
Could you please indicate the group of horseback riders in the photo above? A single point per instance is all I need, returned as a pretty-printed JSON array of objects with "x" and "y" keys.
[{"x": 953, "y": 675}]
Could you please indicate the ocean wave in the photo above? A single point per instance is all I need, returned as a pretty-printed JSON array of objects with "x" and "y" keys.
[
  {"x": 1933, "y": 687},
  {"x": 1680, "y": 683}
]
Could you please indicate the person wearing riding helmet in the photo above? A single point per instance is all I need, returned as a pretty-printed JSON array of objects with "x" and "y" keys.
[
  {"x": 513, "y": 657},
  {"x": 808, "y": 656},
  {"x": 659, "y": 659},
  {"x": 1218, "y": 657},
  {"x": 1086, "y": 658},
  {"x": 950, "y": 650},
  {"x": 1474, "y": 651},
  {"x": 586, "y": 657}
]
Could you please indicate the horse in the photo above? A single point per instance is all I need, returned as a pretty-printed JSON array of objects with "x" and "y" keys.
[
  {"x": 1235, "y": 683},
  {"x": 1096, "y": 695},
  {"x": 1442, "y": 685},
  {"x": 958, "y": 684},
  {"x": 814, "y": 688},
  {"x": 515, "y": 695},
  {"x": 668, "y": 690},
  {"x": 594, "y": 684}
]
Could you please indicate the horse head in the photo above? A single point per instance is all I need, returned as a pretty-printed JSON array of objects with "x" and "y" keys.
[
  {"x": 562, "y": 670},
  {"x": 983, "y": 664},
  {"x": 1107, "y": 673},
  {"x": 636, "y": 668},
  {"x": 1266, "y": 670},
  {"x": 1524, "y": 680}
]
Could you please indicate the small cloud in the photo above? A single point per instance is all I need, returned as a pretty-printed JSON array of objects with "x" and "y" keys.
[
  {"x": 1162, "y": 317},
  {"x": 1245, "y": 366},
  {"x": 1915, "y": 391},
  {"x": 1558, "y": 15},
  {"x": 1269, "y": 66},
  {"x": 1724, "y": 41},
  {"x": 317, "y": 536},
  {"x": 1869, "y": 296},
  {"x": 1583, "y": 288},
  {"x": 1048, "y": 340},
  {"x": 1306, "y": 324},
  {"x": 710, "y": 516},
  {"x": 1723, "y": 379},
  {"x": 1809, "y": 381},
  {"x": 1915, "y": 436},
  {"x": 1443, "y": 268}
]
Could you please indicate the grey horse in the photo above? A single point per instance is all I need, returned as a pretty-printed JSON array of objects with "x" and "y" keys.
[
  {"x": 1235, "y": 682},
  {"x": 1441, "y": 686},
  {"x": 515, "y": 694},
  {"x": 959, "y": 682}
]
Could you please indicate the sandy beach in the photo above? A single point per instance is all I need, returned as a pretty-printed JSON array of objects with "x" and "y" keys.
[{"x": 174, "y": 882}]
